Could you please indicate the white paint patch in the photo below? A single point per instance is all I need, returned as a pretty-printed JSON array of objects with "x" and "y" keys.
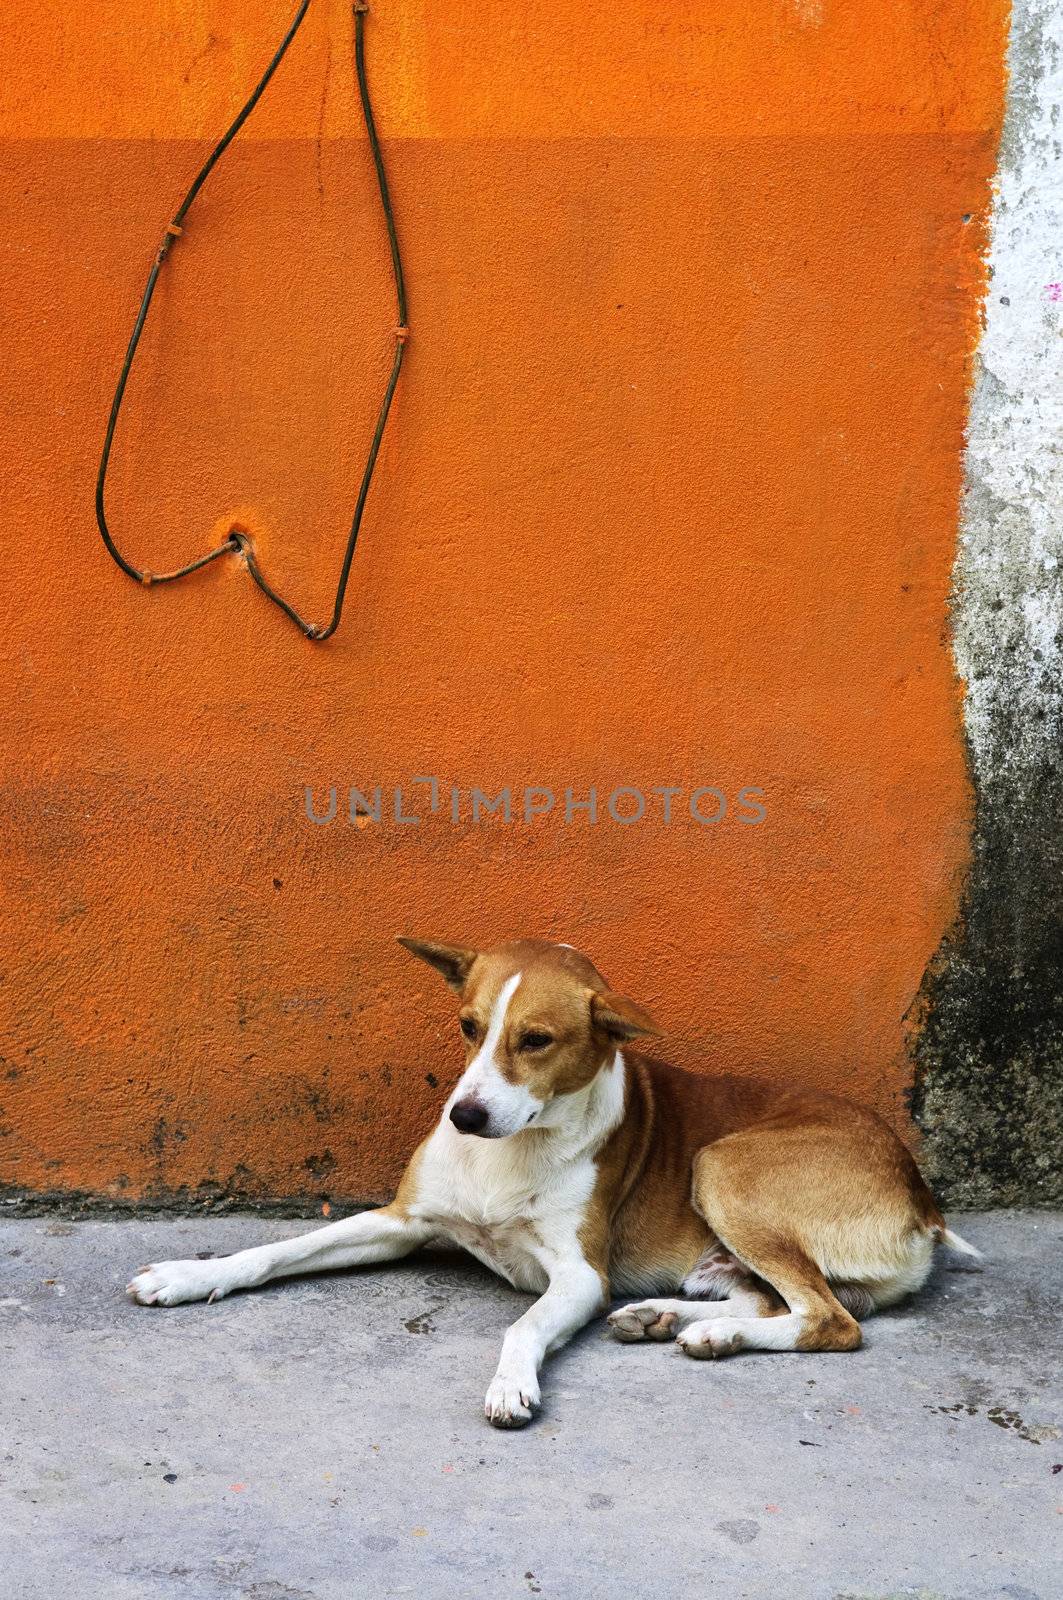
[
  {"x": 1009, "y": 570},
  {"x": 809, "y": 13}
]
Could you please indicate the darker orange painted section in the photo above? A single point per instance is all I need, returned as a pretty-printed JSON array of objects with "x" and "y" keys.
[{"x": 669, "y": 496}]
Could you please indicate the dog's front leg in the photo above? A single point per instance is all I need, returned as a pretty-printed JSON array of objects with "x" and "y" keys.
[
  {"x": 576, "y": 1293},
  {"x": 357, "y": 1241}
]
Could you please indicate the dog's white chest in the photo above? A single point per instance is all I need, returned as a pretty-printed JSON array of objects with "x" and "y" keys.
[
  {"x": 513, "y": 1208},
  {"x": 506, "y": 1248}
]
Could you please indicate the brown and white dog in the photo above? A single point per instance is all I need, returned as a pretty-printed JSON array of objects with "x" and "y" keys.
[{"x": 576, "y": 1167}]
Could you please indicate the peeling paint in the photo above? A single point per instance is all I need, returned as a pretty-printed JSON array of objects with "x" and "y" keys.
[{"x": 989, "y": 1089}]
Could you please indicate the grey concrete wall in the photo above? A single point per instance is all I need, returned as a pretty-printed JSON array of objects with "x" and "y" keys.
[{"x": 989, "y": 1047}]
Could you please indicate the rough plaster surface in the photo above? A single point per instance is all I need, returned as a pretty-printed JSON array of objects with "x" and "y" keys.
[
  {"x": 990, "y": 1052},
  {"x": 322, "y": 1440},
  {"x": 669, "y": 496}
]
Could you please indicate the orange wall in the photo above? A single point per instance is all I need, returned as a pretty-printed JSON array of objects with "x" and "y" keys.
[{"x": 669, "y": 495}]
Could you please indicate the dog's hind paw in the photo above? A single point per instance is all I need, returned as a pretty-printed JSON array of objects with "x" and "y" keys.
[
  {"x": 511, "y": 1402},
  {"x": 711, "y": 1339}
]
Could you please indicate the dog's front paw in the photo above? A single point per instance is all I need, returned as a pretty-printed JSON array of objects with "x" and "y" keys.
[
  {"x": 172, "y": 1283},
  {"x": 511, "y": 1401}
]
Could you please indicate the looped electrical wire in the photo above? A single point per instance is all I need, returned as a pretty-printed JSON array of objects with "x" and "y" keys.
[{"x": 238, "y": 541}]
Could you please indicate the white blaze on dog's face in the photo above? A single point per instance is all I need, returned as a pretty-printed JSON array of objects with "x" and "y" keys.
[{"x": 539, "y": 1022}]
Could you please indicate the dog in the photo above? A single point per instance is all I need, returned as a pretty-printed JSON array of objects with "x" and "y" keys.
[{"x": 577, "y": 1167}]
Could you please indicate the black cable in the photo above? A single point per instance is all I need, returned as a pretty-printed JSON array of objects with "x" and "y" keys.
[{"x": 237, "y": 540}]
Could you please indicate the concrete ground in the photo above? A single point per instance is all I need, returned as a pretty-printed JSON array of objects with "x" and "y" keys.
[{"x": 323, "y": 1439}]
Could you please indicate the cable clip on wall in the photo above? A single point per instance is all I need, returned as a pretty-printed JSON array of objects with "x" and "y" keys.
[{"x": 238, "y": 541}]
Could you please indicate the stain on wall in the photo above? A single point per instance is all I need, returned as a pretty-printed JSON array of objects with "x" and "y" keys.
[
  {"x": 669, "y": 497},
  {"x": 989, "y": 1045}
]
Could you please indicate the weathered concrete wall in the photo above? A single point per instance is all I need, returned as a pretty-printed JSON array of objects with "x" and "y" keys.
[
  {"x": 990, "y": 1043},
  {"x": 670, "y": 496}
]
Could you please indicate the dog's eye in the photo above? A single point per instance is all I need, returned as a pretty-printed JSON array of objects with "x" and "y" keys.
[
  {"x": 468, "y": 1027},
  {"x": 536, "y": 1041}
]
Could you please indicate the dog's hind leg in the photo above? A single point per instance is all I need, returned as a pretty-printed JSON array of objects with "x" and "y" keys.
[
  {"x": 814, "y": 1318},
  {"x": 761, "y": 1234},
  {"x": 732, "y": 1290},
  {"x": 660, "y": 1320},
  {"x": 356, "y": 1241}
]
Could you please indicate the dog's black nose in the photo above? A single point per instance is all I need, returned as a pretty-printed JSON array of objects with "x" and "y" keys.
[{"x": 470, "y": 1116}]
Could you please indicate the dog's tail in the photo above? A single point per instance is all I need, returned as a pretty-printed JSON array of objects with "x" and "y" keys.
[{"x": 952, "y": 1241}]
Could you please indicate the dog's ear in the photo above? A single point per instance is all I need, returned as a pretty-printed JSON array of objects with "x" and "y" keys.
[
  {"x": 618, "y": 1017},
  {"x": 452, "y": 960}
]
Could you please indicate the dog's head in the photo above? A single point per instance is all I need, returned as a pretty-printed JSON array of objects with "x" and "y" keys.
[{"x": 539, "y": 1023}]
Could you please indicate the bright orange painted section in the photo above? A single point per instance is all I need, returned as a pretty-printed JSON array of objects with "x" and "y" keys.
[{"x": 669, "y": 495}]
